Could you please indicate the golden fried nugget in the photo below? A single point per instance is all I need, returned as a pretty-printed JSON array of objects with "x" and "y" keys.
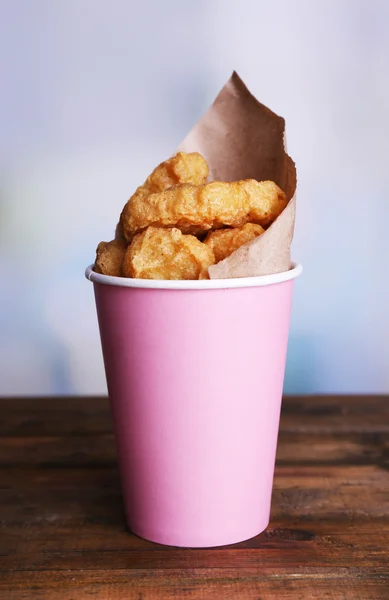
[
  {"x": 225, "y": 241},
  {"x": 182, "y": 168},
  {"x": 109, "y": 258},
  {"x": 167, "y": 254},
  {"x": 199, "y": 208}
]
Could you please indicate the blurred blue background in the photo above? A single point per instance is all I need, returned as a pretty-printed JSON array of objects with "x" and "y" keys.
[{"x": 96, "y": 93}]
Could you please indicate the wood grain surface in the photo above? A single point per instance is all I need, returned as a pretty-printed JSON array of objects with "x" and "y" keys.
[{"x": 63, "y": 533}]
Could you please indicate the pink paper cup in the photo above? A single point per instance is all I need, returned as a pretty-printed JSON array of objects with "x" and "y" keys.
[{"x": 195, "y": 372}]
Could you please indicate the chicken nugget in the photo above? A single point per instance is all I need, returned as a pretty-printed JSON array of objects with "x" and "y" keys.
[
  {"x": 167, "y": 254},
  {"x": 225, "y": 241},
  {"x": 182, "y": 168},
  {"x": 109, "y": 258},
  {"x": 211, "y": 206}
]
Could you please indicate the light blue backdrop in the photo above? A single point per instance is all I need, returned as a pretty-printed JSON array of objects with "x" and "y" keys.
[{"x": 95, "y": 94}]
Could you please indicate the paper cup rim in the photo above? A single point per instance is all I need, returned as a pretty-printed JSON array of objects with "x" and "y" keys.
[{"x": 206, "y": 284}]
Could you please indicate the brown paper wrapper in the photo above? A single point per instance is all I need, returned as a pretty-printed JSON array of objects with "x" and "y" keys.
[{"x": 242, "y": 139}]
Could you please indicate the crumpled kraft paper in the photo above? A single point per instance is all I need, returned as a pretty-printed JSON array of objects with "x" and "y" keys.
[{"x": 242, "y": 139}]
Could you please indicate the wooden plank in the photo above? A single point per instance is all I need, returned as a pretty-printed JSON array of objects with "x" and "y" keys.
[
  {"x": 88, "y": 416},
  {"x": 54, "y": 416},
  {"x": 92, "y": 535},
  {"x": 194, "y": 584},
  {"x": 99, "y": 450},
  {"x": 306, "y": 491},
  {"x": 335, "y": 414},
  {"x": 57, "y": 451},
  {"x": 329, "y": 551}
]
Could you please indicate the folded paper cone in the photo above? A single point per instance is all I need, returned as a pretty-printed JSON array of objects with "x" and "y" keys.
[{"x": 243, "y": 139}]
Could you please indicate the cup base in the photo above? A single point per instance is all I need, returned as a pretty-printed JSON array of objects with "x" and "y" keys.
[{"x": 197, "y": 541}]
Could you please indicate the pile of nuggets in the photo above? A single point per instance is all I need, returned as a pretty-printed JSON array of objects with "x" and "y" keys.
[{"x": 176, "y": 225}]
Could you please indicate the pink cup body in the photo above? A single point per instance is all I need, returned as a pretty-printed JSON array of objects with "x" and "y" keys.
[{"x": 195, "y": 381}]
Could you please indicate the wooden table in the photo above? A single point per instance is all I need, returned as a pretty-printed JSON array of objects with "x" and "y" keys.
[{"x": 63, "y": 533}]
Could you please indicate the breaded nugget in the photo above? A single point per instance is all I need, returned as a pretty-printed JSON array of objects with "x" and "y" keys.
[
  {"x": 199, "y": 208},
  {"x": 109, "y": 258},
  {"x": 182, "y": 168},
  {"x": 225, "y": 241},
  {"x": 167, "y": 254}
]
